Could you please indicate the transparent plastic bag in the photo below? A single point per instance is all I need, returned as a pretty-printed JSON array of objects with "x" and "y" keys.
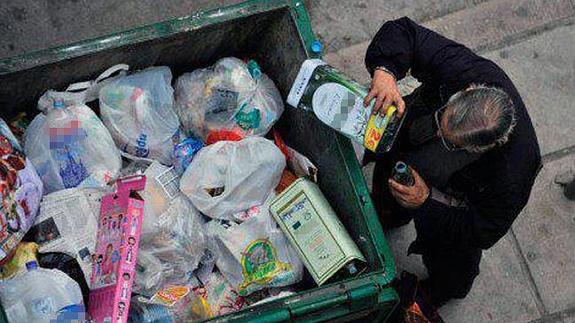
[
  {"x": 138, "y": 110},
  {"x": 219, "y": 296},
  {"x": 231, "y": 97},
  {"x": 171, "y": 248},
  {"x": 257, "y": 255},
  {"x": 68, "y": 144},
  {"x": 172, "y": 241},
  {"x": 20, "y": 192},
  {"x": 232, "y": 176},
  {"x": 40, "y": 295}
]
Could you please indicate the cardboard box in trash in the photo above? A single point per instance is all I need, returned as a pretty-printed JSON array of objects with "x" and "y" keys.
[{"x": 118, "y": 237}]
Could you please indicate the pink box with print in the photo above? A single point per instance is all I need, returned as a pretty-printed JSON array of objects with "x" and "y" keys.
[{"x": 116, "y": 251}]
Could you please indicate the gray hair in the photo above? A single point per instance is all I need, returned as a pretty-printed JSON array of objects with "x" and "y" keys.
[{"x": 481, "y": 117}]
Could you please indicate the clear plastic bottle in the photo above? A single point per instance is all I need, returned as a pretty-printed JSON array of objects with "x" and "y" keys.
[{"x": 41, "y": 295}]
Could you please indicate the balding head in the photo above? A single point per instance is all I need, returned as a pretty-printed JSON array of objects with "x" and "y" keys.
[{"x": 478, "y": 118}]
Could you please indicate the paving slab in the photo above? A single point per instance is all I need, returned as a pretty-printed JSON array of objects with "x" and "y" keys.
[
  {"x": 341, "y": 24},
  {"x": 399, "y": 240},
  {"x": 543, "y": 70},
  {"x": 27, "y": 25},
  {"x": 495, "y": 22},
  {"x": 501, "y": 293},
  {"x": 545, "y": 232}
]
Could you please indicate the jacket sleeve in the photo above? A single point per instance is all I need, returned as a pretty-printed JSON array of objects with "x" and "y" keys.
[
  {"x": 401, "y": 45},
  {"x": 487, "y": 217}
]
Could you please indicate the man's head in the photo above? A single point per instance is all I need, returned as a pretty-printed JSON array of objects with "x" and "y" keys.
[{"x": 477, "y": 119}]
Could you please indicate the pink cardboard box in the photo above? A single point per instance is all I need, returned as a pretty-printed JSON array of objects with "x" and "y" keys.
[{"x": 116, "y": 251}]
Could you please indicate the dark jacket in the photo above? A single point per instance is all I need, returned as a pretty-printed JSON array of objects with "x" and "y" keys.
[{"x": 498, "y": 184}]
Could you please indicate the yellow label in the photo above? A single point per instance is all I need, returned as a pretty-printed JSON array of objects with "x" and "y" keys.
[
  {"x": 25, "y": 252},
  {"x": 376, "y": 127}
]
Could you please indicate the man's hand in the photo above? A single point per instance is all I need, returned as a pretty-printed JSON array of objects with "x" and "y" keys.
[
  {"x": 410, "y": 197},
  {"x": 384, "y": 91}
]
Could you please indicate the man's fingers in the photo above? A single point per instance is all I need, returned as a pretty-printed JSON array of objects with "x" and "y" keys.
[
  {"x": 385, "y": 105},
  {"x": 368, "y": 98},
  {"x": 400, "y": 106},
  {"x": 399, "y": 188},
  {"x": 400, "y": 199},
  {"x": 377, "y": 106}
]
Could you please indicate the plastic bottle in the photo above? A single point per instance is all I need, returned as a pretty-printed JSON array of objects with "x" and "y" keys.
[
  {"x": 402, "y": 174},
  {"x": 41, "y": 295}
]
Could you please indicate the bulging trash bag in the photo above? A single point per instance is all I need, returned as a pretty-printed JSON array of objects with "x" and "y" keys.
[
  {"x": 138, "y": 110},
  {"x": 69, "y": 145},
  {"x": 256, "y": 255},
  {"x": 228, "y": 98},
  {"x": 231, "y": 176},
  {"x": 20, "y": 192},
  {"x": 171, "y": 250},
  {"x": 42, "y": 295}
]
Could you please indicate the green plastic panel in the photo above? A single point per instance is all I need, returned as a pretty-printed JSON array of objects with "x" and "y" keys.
[{"x": 278, "y": 34}]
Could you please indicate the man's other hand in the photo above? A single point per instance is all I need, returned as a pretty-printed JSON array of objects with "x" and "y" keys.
[
  {"x": 410, "y": 197},
  {"x": 385, "y": 92}
]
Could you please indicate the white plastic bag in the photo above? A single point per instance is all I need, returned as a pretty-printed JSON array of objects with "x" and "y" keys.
[
  {"x": 20, "y": 192},
  {"x": 257, "y": 255},
  {"x": 41, "y": 295},
  {"x": 139, "y": 112},
  {"x": 68, "y": 144},
  {"x": 230, "y": 96},
  {"x": 232, "y": 176}
]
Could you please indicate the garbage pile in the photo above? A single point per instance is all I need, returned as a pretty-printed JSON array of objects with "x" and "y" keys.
[{"x": 158, "y": 207}]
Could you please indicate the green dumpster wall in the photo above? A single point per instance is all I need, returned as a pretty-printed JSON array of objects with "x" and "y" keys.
[{"x": 277, "y": 34}]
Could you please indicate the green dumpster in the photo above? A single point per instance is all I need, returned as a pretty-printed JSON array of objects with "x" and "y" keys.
[{"x": 276, "y": 33}]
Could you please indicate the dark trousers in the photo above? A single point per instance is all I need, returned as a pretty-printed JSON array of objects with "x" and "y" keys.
[{"x": 451, "y": 272}]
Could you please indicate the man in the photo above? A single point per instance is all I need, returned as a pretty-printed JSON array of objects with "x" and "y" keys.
[{"x": 470, "y": 145}]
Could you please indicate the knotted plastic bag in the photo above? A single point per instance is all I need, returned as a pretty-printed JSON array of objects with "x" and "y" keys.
[
  {"x": 138, "y": 110},
  {"x": 230, "y": 98},
  {"x": 20, "y": 192},
  {"x": 69, "y": 145},
  {"x": 231, "y": 176}
]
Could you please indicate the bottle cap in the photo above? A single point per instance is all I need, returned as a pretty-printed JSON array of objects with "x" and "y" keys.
[
  {"x": 351, "y": 268},
  {"x": 74, "y": 308},
  {"x": 59, "y": 104},
  {"x": 316, "y": 47},
  {"x": 30, "y": 265},
  {"x": 400, "y": 167}
]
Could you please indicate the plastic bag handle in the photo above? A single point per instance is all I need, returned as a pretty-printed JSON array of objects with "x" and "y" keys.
[
  {"x": 80, "y": 92},
  {"x": 109, "y": 72},
  {"x": 79, "y": 86}
]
